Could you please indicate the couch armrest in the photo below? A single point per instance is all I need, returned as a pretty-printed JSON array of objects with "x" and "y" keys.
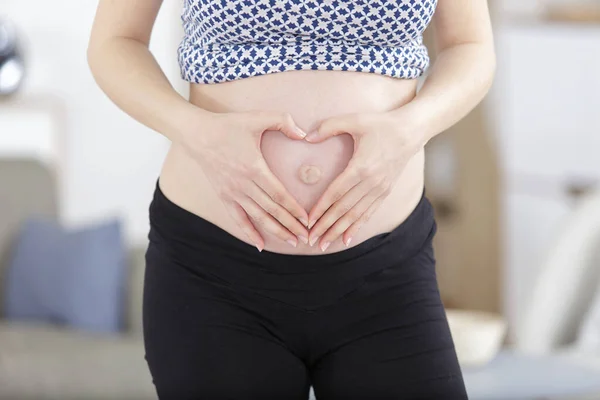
[
  {"x": 137, "y": 266},
  {"x": 28, "y": 188}
]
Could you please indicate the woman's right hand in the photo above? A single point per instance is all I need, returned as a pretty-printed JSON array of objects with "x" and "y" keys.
[{"x": 227, "y": 147}]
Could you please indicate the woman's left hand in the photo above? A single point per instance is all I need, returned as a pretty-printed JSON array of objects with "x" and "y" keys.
[{"x": 383, "y": 144}]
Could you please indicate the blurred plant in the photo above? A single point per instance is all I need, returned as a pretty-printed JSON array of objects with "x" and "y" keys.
[{"x": 12, "y": 68}]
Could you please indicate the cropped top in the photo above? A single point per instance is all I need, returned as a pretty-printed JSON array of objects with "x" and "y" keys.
[{"x": 226, "y": 40}]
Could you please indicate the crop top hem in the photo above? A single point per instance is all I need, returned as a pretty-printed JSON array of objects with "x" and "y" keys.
[{"x": 216, "y": 63}]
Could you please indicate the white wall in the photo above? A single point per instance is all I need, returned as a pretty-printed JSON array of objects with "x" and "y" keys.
[
  {"x": 520, "y": 7},
  {"x": 544, "y": 111},
  {"x": 530, "y": 8},
  {"x": 110, "y": 161}
]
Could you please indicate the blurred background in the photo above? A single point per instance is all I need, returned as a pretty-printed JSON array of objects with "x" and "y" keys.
[{"x": 515, "y": 187}]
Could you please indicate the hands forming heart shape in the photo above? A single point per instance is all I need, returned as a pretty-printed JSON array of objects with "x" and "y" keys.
[{"x": 383, "y": 144}]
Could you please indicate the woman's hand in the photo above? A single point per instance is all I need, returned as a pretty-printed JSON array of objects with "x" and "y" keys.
[
  {"x": 383, "y": 144},
  {"x": 228, "y": 151}
]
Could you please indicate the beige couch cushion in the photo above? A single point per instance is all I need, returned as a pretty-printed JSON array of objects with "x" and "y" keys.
[{"x": 47, "y": 362}]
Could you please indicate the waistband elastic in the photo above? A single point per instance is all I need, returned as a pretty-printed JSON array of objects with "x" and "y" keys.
[{"x": 182, "y": 231}]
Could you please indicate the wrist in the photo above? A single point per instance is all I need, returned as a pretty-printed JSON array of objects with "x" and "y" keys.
[
  {"x": 416, "y": 120},
  {"x": 188, "y": 120}
]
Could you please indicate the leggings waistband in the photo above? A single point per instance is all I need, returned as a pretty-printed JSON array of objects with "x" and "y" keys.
[{"x": 192, "y": 237}]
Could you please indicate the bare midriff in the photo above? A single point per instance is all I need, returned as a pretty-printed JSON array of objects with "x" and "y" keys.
[{"x": 305, "y": 169}]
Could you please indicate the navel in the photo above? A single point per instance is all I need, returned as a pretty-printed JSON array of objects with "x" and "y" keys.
[{"x": 309, "y": 174}]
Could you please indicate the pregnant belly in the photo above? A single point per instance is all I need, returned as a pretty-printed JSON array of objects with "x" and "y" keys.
[{"x": 306, "y": 169}]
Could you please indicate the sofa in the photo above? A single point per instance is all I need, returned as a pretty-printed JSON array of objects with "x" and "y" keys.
[{"x": 46, "y": 361}]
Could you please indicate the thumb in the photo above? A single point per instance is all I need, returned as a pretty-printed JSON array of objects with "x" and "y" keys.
[
  {"x": 286, "y": 124},
  {"x": 332, "y": 127}
]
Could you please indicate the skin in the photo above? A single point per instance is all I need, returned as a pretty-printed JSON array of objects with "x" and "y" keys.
[{"x": 245, "y": 153}]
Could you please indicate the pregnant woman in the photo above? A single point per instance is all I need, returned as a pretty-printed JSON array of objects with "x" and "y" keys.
[{"x": 290, "y": 235}]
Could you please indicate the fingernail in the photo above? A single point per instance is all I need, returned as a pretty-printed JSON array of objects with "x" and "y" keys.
[
  {"x": 303, "y": 239},
  {"x": 304, "y": 221},
  {"x": 348, "y": 241},
  {"x": 259, "y": 248},
  {"x": 301, "y": 132},
  {"x": 313, "y": 240},
  {"x": 324, "y": 246},
  {"x": 312, "y": 136},
  {"x": 310, "y": 224},
  {"x": 292, "y": 242}
]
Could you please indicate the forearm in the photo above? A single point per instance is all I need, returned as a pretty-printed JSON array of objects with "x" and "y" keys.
[
  {"x": 128, "y": 73},
  {"x": 457, "y": 82}
]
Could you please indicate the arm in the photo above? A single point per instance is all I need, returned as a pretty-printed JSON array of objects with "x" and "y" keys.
[
  {"x": 463, "y": 71},
  {"x": 385, "y": 142},
  {"x": 228, "y": 146},
  {"x": 125, "y": 69}
]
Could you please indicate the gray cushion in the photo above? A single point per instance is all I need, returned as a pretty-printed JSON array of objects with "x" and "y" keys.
[{"x": 74, "y": 278}]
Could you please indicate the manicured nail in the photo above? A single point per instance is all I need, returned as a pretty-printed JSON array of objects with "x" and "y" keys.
[
  {"x": 312, "y": 136},
  {"x": 314, "y": 240},
  {"x": 303, "y": 239},
  {"x": 303, "y": 221},
  {"x": 348, "y": 241},
  {"x": 292, "y": 242},
  {"x": 311, "y": 224},
  {"x": 324, "y": 246},
  {"x": 259, "y": 248},
  {"x": 300, "y": 132}
]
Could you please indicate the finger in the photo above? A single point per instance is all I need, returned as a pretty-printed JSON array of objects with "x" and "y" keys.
[
  {"x": 342, "y": 224},
  {"x": 241, "y": 219},
  {"x": 340, "y": 208},
  {"x": 279, "y": 213},
  {"x": 268, "y": 182},
  {"x": 356, "y": 226},
  {"x": 283, "y": 122},
  {"x": 335, "y": 191},
  {"x": 266, "y": 222},
  {"x": 334, "y": 126}
]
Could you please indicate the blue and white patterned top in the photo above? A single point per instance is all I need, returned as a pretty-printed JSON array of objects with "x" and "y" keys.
[{"x": 233, "y": 39}]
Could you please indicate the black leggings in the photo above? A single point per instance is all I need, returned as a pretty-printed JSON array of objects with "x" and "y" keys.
[{"x": 223, "y": 321}]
